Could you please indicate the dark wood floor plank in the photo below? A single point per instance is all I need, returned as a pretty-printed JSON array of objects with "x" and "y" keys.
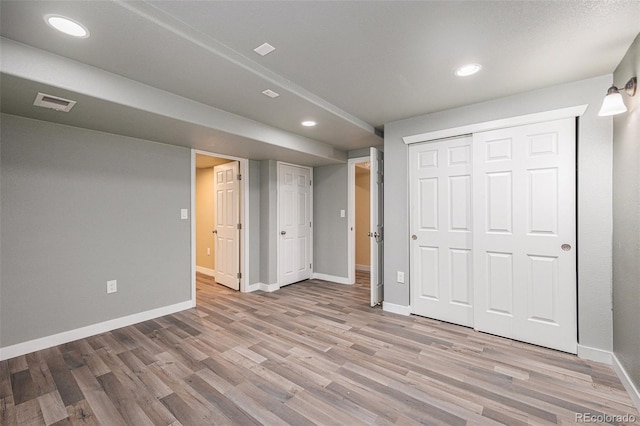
[
  {"x": 24, "y": 388},
  {"x": 65, "y": 382}
]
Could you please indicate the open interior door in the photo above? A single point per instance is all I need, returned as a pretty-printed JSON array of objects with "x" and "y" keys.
[
  {"x": 227, "y": 222},
  {"x": 376, "y": 234}
]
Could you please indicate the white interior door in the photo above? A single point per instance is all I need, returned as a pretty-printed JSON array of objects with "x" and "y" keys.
[
  {"x": 294, "y": 211},
  {"x": 441, "y": 241},
  {"x": 376, "y": 234},
  {"x": 227, "y": 219},
  {"x": 525, "y": 233}
]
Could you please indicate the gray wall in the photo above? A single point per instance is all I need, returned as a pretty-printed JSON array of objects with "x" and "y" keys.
[
  {"x": 594, "y": 194},
  {"x": 78, "y": 208},
  {"x": 254, "y": 219},
  {"x": 626, "y": 222},
  {"x": 330, "y": 242},
  {"x": 268, "y": 222}
]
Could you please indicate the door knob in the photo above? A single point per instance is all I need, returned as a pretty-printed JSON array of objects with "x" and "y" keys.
[
  {"x": 369, "y": 234},
  {"x": 283, "y": 232},
  {"x": 414, "y": 237},
  {"x": 566, "y": 247},
  {"x": 215, "y": 231}
]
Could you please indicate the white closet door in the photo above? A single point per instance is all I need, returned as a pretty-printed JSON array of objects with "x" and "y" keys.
[
  {"x": 525, "y": 233},
  {"x": 441, "y": 219},
  {"x": 294, "y": 210}
]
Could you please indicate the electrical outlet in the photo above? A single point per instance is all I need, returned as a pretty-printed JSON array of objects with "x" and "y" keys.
[
  {"x": 112, "y": 286},
  {"x": 400, "y": 277}
]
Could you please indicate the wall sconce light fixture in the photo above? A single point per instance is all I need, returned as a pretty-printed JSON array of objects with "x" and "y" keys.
[{"x": 613, "y": 103}]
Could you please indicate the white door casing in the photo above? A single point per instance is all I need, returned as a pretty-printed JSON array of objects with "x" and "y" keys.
[
  {"x": 525, "y": 233},
  {"x": 376, "y": 234},
  {"x": 441, "y": 219},
  {"x": 294, "y": 227},
  {"x": 227, "y": 219}
]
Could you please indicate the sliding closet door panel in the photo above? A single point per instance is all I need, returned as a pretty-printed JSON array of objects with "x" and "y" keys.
[
  {"x": 525, "y": 233},
  {"x": 441, "y": 221}
]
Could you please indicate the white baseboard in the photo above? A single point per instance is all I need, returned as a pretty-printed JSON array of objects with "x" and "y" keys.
[
  {"x": 396, "y": 309},
  {"x": 252, "y": 287},
  {"x": 269, "y": 287},
  {"x": 365, "y": 268},
  {"x": 90, "y": 330},
  {"x": 332, "y": 278},
  {"x": 263, "y": 287},
  {"x": 633, "y": 391},
  {"x": 206, "y": 271},
  {"x": 594, "y": 354}
]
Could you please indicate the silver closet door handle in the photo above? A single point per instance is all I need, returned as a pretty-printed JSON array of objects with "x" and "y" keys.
[
  {"x": 414, "y": 237},
  {"x": 566, "y": 247},
  {"x": 215, "y": 231},
  {"x": 283, "y": 232}
]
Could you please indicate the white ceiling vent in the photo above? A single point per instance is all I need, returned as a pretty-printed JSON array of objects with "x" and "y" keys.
[{"x": 54, "y": 102}]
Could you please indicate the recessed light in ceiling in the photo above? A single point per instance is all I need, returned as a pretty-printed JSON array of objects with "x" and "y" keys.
[
  {"x": 270, "y": 93},
  {"x": 264, "y": 49},
  {"x": 67, "y": 26},
  {"x": 308, "y": 123},
  {"x": 467, "y": 70}
]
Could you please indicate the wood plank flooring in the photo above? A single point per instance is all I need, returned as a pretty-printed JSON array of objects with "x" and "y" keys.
[{"x": 310, "y": 353}]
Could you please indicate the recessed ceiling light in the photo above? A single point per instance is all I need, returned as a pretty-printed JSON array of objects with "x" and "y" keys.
[
  {"x": 270, "y": 93},
  {"x": 67, "y": 26},
  {"x": 467, "y": 70},
  {"x": 264, "y": 49},
  {"x": 308, "y": 123}
]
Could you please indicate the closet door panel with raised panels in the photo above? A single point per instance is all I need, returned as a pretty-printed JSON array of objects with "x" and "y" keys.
[{"x": 525, "y": 233}]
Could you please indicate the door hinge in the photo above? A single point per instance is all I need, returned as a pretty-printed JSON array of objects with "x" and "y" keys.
[
  {"x": 239, "y": 177},
  {"x": 310, "y": 183},
  {"x": 239, "y": 275},
  {"x": 310, "y": 266},
  {"x": 309, "y": 224},
  {"x": 239, "y": 226}
]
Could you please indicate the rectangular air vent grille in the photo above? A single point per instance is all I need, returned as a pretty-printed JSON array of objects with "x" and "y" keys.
[{"x": 54, "y": 102}]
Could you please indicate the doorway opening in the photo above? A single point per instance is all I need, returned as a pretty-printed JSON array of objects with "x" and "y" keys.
[
  {"x": 365, "y": 231},
  {"x": 219, "y": 204},
  {"x": 362, "y": 223}
]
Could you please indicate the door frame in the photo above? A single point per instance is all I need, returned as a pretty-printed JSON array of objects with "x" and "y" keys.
[
  {"x": 278, "y": 254},
  {"x": 244, "y": 219},
  {"x": 351, "y": 205}
]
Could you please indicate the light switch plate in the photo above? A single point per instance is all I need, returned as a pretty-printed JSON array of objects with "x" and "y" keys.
[
  {"x": 342, "y": 213},
  {"x": 112, "y": 286},
  {"x": 184, "y": 214},
  {"x": 400, "y": 277}
]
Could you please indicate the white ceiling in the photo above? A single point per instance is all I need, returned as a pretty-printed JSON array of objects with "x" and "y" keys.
[{"x": 350, "y": 66}]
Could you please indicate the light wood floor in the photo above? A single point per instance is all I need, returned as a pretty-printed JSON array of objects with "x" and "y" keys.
[{"x": 310, "y": 353}]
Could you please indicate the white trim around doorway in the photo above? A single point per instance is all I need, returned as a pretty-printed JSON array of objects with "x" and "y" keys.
[{"x": 244, "y": 219}]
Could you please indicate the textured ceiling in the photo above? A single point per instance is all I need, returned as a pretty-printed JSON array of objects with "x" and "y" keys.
[{"x": 351, "y": 66}]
